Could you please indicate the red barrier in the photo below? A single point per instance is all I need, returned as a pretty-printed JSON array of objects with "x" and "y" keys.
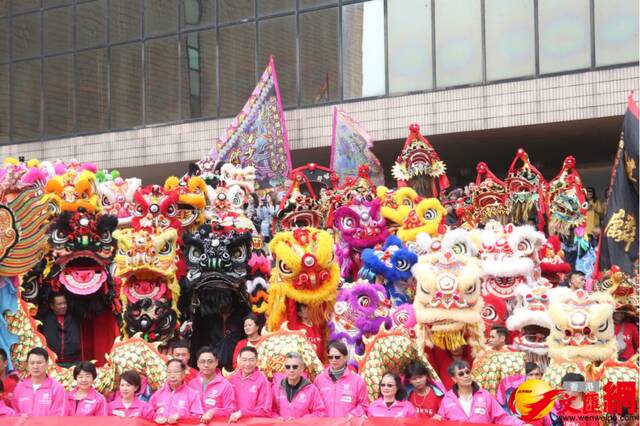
[{"x": 117, "y": 421}]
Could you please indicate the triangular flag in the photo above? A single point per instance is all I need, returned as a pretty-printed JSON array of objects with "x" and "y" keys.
[
  {"x": 258, "y": 135},
  {"x": 351, "y": 147}
]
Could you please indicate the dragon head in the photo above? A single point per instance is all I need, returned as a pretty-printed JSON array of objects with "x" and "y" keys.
[
  {"x": 192, "y": 199},
  {"x": 623, "y": 287},
  {"x": 489, "y": 196},
  {"x": 552, "y": 263},
  {"x": 360, "y": 224},
  {"x": 524, "y": 185},
  {"x": 74, "y": 187},
  {"x": 566, "y": 200},
  {"x": 425, "y": 217},
  {"x": 117, "y": 196},
  {"x": 156, "y": 208}
]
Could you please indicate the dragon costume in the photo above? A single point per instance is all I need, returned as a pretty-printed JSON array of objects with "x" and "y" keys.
[
  {"x": 489, "y": 196},
  {"x": 552, "y": 264},
  {"x": 193, "y": 194},
  {"x": 117, "y": 195},
  {"x": 566, "y": 200},
  {"x": 526, "y": 186}
]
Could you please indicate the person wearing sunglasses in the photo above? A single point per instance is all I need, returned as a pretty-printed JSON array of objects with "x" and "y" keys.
[
  {"x": 216, "y": 393},
  {"x": 175, "y": 400},
  {"x": 469, "y": 403},
  {"x": 344, "y": 392},
  {"x": 391, "y": 401},
  {"x": 252, "y": 389},
  {"x": 295, "y": 396}
]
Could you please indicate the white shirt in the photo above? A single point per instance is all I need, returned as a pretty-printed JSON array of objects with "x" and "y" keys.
[{"x": 466, "y": 404}]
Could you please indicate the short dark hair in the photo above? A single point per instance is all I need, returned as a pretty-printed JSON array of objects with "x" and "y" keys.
[
  {"x": 500, "y": 330},
  {"x": 576, "y": 272},
  {"x": 177, "y": 361},
  {"x": 131, "y": 377},
  {"x": 252, "y": 317},
  {"x": 87, "y": 367},
  {"x": 183, "y": 344},
  {"x": 339, "y": 346},
  {"x": 248, "y": 349},
  {"x": 572, "y": 377},
  {"x": 40, "y": 352},
  {"x": 3, "y": 354},
  {"x": 400, "y": 392},
  {"x": 458, "y": 364},
  {"x": 53, "y": 295},
  {"x": 207, "y": 349},
  {"x": 530, "y": 366},
  {"x": 416, "y": 368}
]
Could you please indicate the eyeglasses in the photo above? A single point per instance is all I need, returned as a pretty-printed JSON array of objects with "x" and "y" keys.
[
  {"x": 463, "y": 373},
  {"x": 206, "y": 361},
  {"x": 334, "y": 356},
  {"x": 291, "y": 367},
  {"x": 387, "y": 385}
]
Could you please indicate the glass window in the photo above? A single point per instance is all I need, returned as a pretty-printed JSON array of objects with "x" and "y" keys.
[
  {"x": 126, "y": 86},
  {"x": 20, "y": 6},
  {"x": 409, "y": 45},
  {"x": 319, "y": 56},
  {"x": 125, "y": 20},
  {"x": 4, "y": 104},
  {"x": 277, "y": 37},
  {"x": 53, "y": 3},
  {"x": 92, "y": 24},
  {"x": 160, "y": 17},
  {"x": 4, "y": 40},
  {"x": 458, "y": 42},
  {"x": 199, "y": 74},
  {"x": 161, "y": 71},
  {"x": 198, "y": 13},
  {"x": 58, "y": 30},
  {"x": 510, "y": 39},
  {"x": 616, "y": 26},
  {"x": 270, "y": 7},
  {"x": 91, "y": 95},
  {"x": 58, "y": 95},
  {"x": 238, "y": 75},
  {"x": 307, "y": 4},
  {"x": 363, "y": 49},
  {"x": 26, "y": 36},
  {"x": 565, "y": 37},
  {"x": 25, "y": 80},
  {"x": 235, "y": 10}
]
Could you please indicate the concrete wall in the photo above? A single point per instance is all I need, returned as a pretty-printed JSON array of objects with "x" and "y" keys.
[{"x": 578, "y": 96}]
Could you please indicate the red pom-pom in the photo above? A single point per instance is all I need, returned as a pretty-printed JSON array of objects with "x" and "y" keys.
[{"x": 414, "y": 127}]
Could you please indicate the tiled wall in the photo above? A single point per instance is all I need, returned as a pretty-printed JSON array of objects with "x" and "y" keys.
[{"x": 577, "y": 96}]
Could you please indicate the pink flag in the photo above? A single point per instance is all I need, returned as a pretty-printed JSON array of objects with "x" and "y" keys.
[
  {"x": 351, "y": 147},
  {"x": 258, "y": 135}
]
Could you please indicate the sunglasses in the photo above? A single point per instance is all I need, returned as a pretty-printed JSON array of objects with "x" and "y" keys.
[
  {"x": 291, "y": 367},
  {"x": 387, "y": 385},
  {"x": 463, "y": 373},
  {"x": 334, "y": 356}
]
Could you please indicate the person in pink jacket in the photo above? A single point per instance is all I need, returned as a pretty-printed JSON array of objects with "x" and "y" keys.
[
  {"x": 5, "y": 410},
  {"x": 216, "y": 393},
  {"x": 126, "y": 404},
  {"x": 38, "y": 394},
  {"x": 509, "y": 384},
  {"x": 251, "y": 387},
  {"x": 467, "y": 402},
  {"x": 84, "y": 400},
  {"x": 391, "y": 401},
  {"x": 175, "y": 400},
  {"x": 344, "y": 392},
  {"x": 294, "y": 396}
]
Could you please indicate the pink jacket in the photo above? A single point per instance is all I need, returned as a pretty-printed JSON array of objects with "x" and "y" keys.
[
  {"x": 306, "y": 403},
  {"x": 484, "y": 409},
  {"x": 218, "y": 395},
  {"x": 93, "y": 404},
  {"x": 136, "y": 409},
  {"x": 184, "y": 401},
  {"x": 6, "y": 411},
  {"x": 348, "y": 395},
  {"x": 511, "y": 382},
  {"x": 48, "y": 400},
  {"x": 378, "y": 408},
  {"x": 253, "y": 394}
]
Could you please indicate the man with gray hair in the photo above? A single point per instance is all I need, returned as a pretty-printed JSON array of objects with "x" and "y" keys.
[{"x": 294, "y": 396}]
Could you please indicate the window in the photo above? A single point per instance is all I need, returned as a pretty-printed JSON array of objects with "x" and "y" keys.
[
  {"x": 199, "y": 74},
  {"x": 306, "y": 4},
  {"x": 161, "y": 71},
  {"x": 277, "y": 37},
  {"x": 458, "y": 42},
  {"x": 4, "y": 103},
  {"x": 319, "y": 56},
  {"x": 126, "y": 86},
  {"x": 198, "y": 13},
  {"x": 20, "y": 6},
  {"x": 270, "y": 7},
  {"x": 4, "y": 40},
  {"x": 92, "y": 24},
  {"x": 409, "y": 45},
  {"x": 510, "y": 42},
  {"x": 91, "y": 95},
  {"x": 565, "y": 36},
  {"x": 26, "y": 36},
  {"x": 125, "y": 20},
  {"x": 235, "y": 10},
  {"x": 616, "y": 29},
  {"x": 160, "y": 17},
  {"x": 58, "y": 95},
  {"x": 25, "y": 80},
  {"x": 58, "y": 30},
  {"x": 363, "y": 65},
  {"x": 238, "y": 75}
]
